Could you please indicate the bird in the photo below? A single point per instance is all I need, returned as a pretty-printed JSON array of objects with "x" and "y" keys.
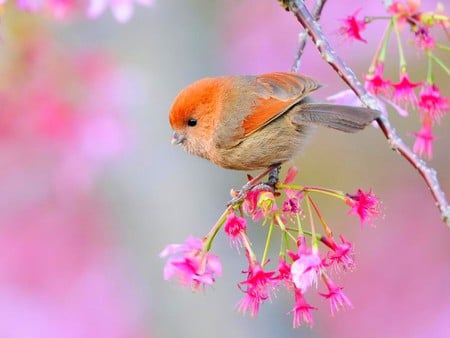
[{"x": 253, "y": 122}]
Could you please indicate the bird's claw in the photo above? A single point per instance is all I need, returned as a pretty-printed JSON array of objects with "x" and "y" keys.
[{"x": 273, "y": 177}]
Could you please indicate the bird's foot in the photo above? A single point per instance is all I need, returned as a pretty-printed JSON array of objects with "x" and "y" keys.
[{"x": 274, "y": 177}]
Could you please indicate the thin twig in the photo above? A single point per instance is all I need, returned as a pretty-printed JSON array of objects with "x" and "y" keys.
[
  {"x": 303, "y": 35},
  {"x": 306, "y": 19}
]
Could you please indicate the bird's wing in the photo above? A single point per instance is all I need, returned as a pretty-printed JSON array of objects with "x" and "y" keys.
[
  {"x": 275, "y": 94},
  {"x": 270, "y": 96}
]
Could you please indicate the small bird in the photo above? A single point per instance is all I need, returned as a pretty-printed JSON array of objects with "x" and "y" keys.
[{"x": 255, "y": 122}]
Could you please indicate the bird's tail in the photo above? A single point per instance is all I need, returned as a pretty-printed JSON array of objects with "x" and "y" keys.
[{"x": 344, "y": 118}]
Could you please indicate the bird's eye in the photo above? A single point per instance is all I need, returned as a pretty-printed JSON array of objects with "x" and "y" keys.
[{"x": 192, "y": 122}]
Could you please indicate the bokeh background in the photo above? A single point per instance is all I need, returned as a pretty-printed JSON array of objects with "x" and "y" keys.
[{"x": 92, "y": 190}]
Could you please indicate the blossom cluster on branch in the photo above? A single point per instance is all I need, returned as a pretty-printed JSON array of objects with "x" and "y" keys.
[
  {"x": 309, "y": 252},
  {"x": 402, "y": 94}
]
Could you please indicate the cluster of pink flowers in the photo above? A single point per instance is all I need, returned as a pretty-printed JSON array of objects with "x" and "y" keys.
[
  {"x": 306, "y": 257},
  {"x": 122, "y": 10},
  {"x": 402, "y": 94}
]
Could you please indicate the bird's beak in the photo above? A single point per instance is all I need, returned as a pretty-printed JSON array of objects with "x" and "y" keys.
[{"x": 177, "y": 138}]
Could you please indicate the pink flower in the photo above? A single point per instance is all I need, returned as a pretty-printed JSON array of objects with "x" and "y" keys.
[
  {"x": 291, "y": 205},
  {"x": 301, "y": 310},
  {"x": 190, "y": 264},
  {"x": 398, "y": 8},
  {"x": 304, "y": 270},
  {"x": 335, "y": 295},
  {"x": 234, "y": 226},
  {"x": 284, "y": 272},
  {"x": 250, "y": 204},
  {"x": 121, "y": 9},
  {"x": 404, "y": 91},
  {"x": 352, "y": 27},
  {"x": 424, "y": 141},
  {"x": 375, "y": 82},
  {"x": 290, "y": 175},
  {"x": 423, "y": 38},
  {"x": 432, "y": 103},
  {"x": 257, "y": 288},
  {"x": 293, "y": 197},
  {"x": 267, "y": 203},
  {"x": 365, "y": 205},
  {"x": 259, "y": 203},
  {"x": 341, "y": 253}
]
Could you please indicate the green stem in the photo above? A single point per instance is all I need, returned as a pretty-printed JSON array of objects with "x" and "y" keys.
[
  {"x": 430, "y": 77},
  {"x": 283, "y": 227},
  {"x": 248, "y": 247},
  {"x": 440, "y": 63},
  {"x": 215, "y": 229},
  {"x": 314, "y": 243},
  {"x": 400, "y": 47},
  {"x": 369, "y": 19},
  {"x": 325, "y": 226},
  {"x": 386, "y": 38},
  {"x": 308, "y": 233},
  {"x": 286, "y": 241},
  {"x": 299, "y": 225},
  {"x": 326, "y": 191},
  {"x": 443, "y": 47},
  {"x": 266, "y": 247}
]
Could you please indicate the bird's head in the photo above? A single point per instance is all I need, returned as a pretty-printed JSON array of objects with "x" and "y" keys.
[{"x": 194, "y": 115}]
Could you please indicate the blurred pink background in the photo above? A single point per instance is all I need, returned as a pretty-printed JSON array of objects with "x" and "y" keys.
[{"x": 92, "y": 189}]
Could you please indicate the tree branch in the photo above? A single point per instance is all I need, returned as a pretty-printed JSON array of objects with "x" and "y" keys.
[
  {"x": 311, "y": 26},
  {"x": 303, "y": 35}
]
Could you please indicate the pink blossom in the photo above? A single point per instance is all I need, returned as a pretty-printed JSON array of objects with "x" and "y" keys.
[
  {"x": 267, "y": 203},
  {"x": 423, "y": 38},
  {"x": 305, "y": 268},
  {"x": 304, "y": 271},
  {"x": 424, "y": 141},
  {"x": 121, "y": 9},
  {"x": 291, "y": 205},
  {"x": 404, "y": 91},
  {"x": 352, "y": 27},
  {"x": 402, "y": 10},
  {"x": 234, "y": 226},
  {"x": 301, "y": 310},
  {"x": 257, "y": 288},
  {"x": 259, "y": 203},
  {"x": 335, "y": 295},
  {"x": 341, "y": 254},
  {"x": 283, "y": 272},
  {"x": 290, "y": 175},
  {"x": 365, "y": 205},
  {"x": 375, "y": 82},
  {"x": 432, "y": 103},
  {"x": 190, "y": 264}
]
